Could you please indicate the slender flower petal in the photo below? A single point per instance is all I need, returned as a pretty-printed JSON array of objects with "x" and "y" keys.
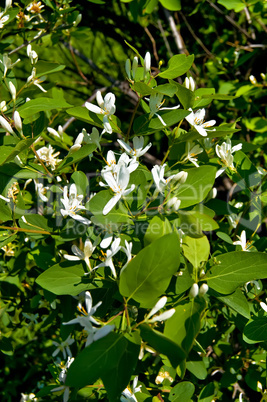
[{"x": 197, "y": 121}]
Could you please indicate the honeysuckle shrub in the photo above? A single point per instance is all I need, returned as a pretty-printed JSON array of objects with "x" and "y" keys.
[{"x": 132, "y": 203}]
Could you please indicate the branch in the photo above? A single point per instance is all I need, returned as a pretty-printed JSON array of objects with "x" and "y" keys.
[{"x": 175, "y": 33}]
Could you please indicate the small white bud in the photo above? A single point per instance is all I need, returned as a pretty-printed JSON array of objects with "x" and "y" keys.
[
  {"x": 173, "y": 204},
  {"x": 252, "y": 79},
  {"x": 147, "y": 63},
  {"x": 8, "y": 4},
  {"x": 190, "y": 83},
  {"x": 78, "y": 20},
  {"x": 75, "y": 148},
  {"x": 17, "y": 121},
  {"x": 194, "y": 290},
  {"x": 6, "y": 125},
  {"x": 13, "y": 90},
  {"x": 203, "y": 289},
  {"x": 3, "y": 107},
  {"x": 263, "y": 76},
  {"x": 181, "y": 177}
]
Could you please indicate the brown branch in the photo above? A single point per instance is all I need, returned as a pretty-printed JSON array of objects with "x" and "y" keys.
[
  {"x": 153, "y": 43},
  {"x": 197, "y": 39},
  {"x": 164, "y": 37},
  {"x": 175, "y": 33}
]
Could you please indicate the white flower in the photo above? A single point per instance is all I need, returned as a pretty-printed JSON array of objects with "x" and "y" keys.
[
  {"x": 128, "y": 251},
  {"x": 47, "y": 155},
  {"x": 191, "y": 153},
  {"x": 158, "y": 306},
  {"x": 155, "y": 103},
  {"x": 36, "y": 81},
  {"x": 7, "y": 63},
  {"x": 128, "y": 395},
  {"x": 173, "y": 204},
  {"x": 4, "y": 123},
  {"x": 32, "y": 54},
  {"x": 63, "y": 347},
  {"x": 137, "y": 150},
  {"x": 106, "y": 107},
  {"x": 72, "y": 204},
  {"x": 3, "y": 107},
  {"x": 35, "y": 7},
  {"x": 158, "y": 177},
  {"x": 77, "y": 144},
  {"x": 8, "y": 4},
  {"x": 3, "y": 19},
  {"x": 62, "y": 378},
  {"x": 81, "y": 255},
  {"x": 190, "y": 83},
  {"x": 17, "y": 121},
  {"x": 30, "y": 397},
  {"x": 41, "y": 190},
  {"x": 118, "y": 185},
  {"x": 194, "y": 290},
  {"x": 115, "y": 247},
  {"x": 252, "y": 79},
  {"x": 13, "y": 90},
  {"x": 203, "y": 289},
  {"x": 197, "y": 121},
  {"x": 114, "y": 166},
  {"x": 225, "y": 153},
  {"x": 147, "y": 63},
  {"x": 243, "y": 241}
]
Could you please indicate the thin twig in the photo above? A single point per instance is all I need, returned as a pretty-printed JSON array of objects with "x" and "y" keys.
[
  {"x": 164, "y": 37},
  {"x": 229, "y": 19},
  {"x": 197, "y": 39},
  {"x": 175, "y": 33},
  {"x": 248, "y": 17},
  {"x": 153, "y": 43}
]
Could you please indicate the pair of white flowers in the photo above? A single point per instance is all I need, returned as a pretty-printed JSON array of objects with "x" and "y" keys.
[{"x": 72, "y": 204}]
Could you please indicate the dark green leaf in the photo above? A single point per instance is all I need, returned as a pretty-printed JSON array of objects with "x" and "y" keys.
[
  {"x": 177, "y": 66},
  {"x": 39, "y": 105}
]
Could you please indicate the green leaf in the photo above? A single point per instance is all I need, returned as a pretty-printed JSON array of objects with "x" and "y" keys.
[
  {"x": 236, "y": 5},
  {"x": 5, "y": 152},
  {"x": 184, "y": 281},
  {"x": 194, "y": 223},
  {"x": 162, "y": 344},
  {"x": 76, "y": 156},
  {"x": 112, "y": 358},
  {"x": 237, "y": 301},
  {"x": 65, "y": 278},
  {"x": 148, "y": 275},
  {"x": 199, "y": 94},
  {"x": 196, "y": 250},
  {"x": 21, "y": 146},
  {"x": 177, "y": 66},
  {"x": 182, "y": 392},
  {"x": 185, "y": 324},
  {"x": 196, "y": 365},
  {"x": 41, "y": 104},
  {"x": 143, "y": 89},
  {"x": 44, "y": 67},
  {"x": 81, "y": 113},
  {"x": 197, "y": 186},
  {"x": 185, "y": 96},
  {"x": 145, "y": 126},
  {"x": 158, "y": 227},
  {"x": 81, "y": 181},
  {"x": 236, "y": 268},
  {"x": 256, "y": 330},
  {"x": 207, "y": 393}
]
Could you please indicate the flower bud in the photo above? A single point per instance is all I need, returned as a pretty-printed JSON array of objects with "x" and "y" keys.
[
  {"x": 173, "y": 204},
  {"x": 263, "y": 76},
  {"x": 78, "y": 20},
  {"x": 194, "y": 290},
  {"x": 147, "y": 63},
  {"x": 252, "y": 79},
  {"x": 17, "y": 121},
  {"x": 3, "y": 107},
  {"x": 12, "y": 89},
  {"x": 190, "y": 83},
  {"x": 181, "y": 177},
  {"x": 6, "y": 125},
  {"x": 203, "y": 289}
]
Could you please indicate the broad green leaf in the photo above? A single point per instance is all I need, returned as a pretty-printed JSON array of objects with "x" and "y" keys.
[
  {"x": 257, "y": 124},
  {"x": 162, "y": 344},
  {"x": 185, "y": 96},
  {"x": 143, "y": 89},
  {"x": 177, "y": 66},
  {"x": 166, "y": 89},
  {"x": 81, "y": 181},
  {"x": 197, "y": 186},
  {"x": 118, "y": 214},
  {"x": 207, "y": 393},
  {"x": 194, "y": 223},
  {"x": 81, "y": 113},
  {"x": 112, "y": 358},
  {"x": 41, "y": 104},
  {"x": 236, "y": 5},
  {"x": 137, "y": 198},
  {"x": 5, "y": 211},
  {"x": 148, "y": 275},
  {"x": 246, "y": 170},
  {"x": 158, "y": 227},
  {"x": 76, "y": 156},
  {"x": 21, "y": 146},
  {"x": 44, "y": 67},
  {"x": 184, "y": 281},
  {"x": 66, "y": 278},
  {"x": 196, "y": 365},
  {"x": 185, "y": 324},
  {"x": 182, "y": 392},
  {"x": 5, "y": 152},
  {"x": 237, "y": 301},
  {"x": 199, "y": 94},
  {"x": 256, "y": 330},
  {"x": 236, "y": 268},
  {"x": 144, "y": 125},
  {"x": 196, "y": 250}
]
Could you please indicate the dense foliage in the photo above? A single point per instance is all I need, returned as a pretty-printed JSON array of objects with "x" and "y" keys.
[{"x": 133, "y": 200}]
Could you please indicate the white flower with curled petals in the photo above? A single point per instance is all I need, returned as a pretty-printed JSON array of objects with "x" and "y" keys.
[
  {"x": 72, "y": 204},
  {"x": 33, "y": 56},
  {"x": 225, "y": 153},
  {"x": 7, "y": 63},
  {"x": 189, "y": 83},
  {"x": 246, "y": 245},
  {"x": 81, "y": 255},
  {"x": 63, "y": 347},
  {"x": 197, "y": 121},
  {"x": 137, "y": 150},
  {"x": 115, "y": 247},
  {"x": 106, "y": 107},
  {"x": 155, "y": 104},
  {"x": 151, "y": 317},
  {"x": 191, "y": 152}
]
